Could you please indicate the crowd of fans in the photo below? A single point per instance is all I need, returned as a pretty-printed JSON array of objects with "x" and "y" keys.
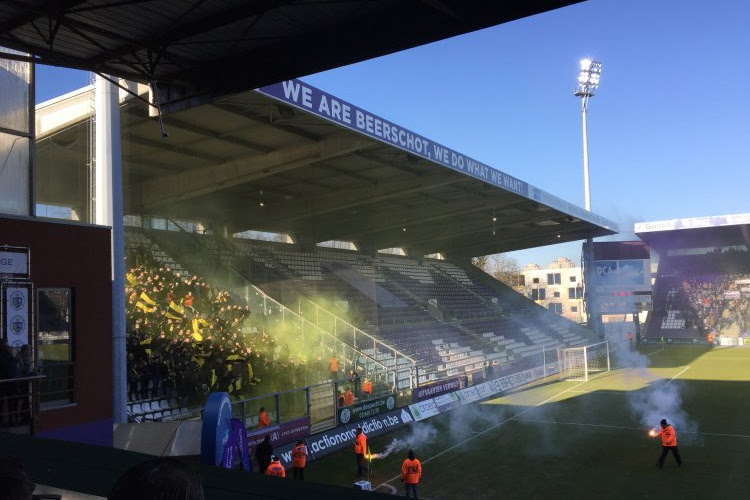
[
  {"x": 715, "y": 289},
  {"x": 720, "y": 303},
  {"x": 187, "y": 337}
]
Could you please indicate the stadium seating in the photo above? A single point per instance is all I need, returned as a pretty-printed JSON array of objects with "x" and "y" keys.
[{"x": 451, "y": 319}]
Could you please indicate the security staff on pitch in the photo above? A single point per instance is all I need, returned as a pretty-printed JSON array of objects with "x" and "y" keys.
[
  {"x": 275, "y": 468},
  {"x": 411, "y": 472},
  {"x": 668, "y": 443},
  {"x": 299, "y": 459},
  {"x": 360, "y": 448}
]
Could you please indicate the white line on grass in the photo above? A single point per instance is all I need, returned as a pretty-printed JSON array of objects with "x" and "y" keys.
[
  {"x": 516, "y": 417},
  {"x": 672, "y": 379},
  {"x": 723, "y": 359},
  {"x": 627, "y": 428},
  {"x": 484, "y": 432},
  {"x": 560, "y": 394},
  {"x": 619, "y": 393},
  {"x": 655, "y": 352},
  {"x": 392, "y": 489}
]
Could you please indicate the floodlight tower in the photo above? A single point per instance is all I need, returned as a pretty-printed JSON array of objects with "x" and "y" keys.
[{"x": 588, "y": 81}]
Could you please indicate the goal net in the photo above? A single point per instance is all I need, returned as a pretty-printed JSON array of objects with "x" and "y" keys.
[{"x": 582, "y": 363}]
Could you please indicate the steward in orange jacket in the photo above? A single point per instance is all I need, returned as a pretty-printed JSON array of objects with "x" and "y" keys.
[
  {"x": 367, "y": 387},
  {"x": 360, "y": 448},
  {"x": 668, "y": 443},
  {"x": 411, "y": 471},
  {"x": 299, "y": 459},
  {"x": 275, "y": 468},
  {"x": 263, "y": 420},
  {"x": 348, "y": 397},
  {"x": 333, "y": 367}
]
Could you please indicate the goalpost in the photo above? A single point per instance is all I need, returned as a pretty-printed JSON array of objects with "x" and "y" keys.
[{"x": 581, "y": 363}]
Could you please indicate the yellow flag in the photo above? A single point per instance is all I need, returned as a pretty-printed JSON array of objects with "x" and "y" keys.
[
  {"x": 131, "y": 279},
  {"x": 145, "y": 298},
  {"x": 197, "y": 336},
  {"x": 175, "y": 311},
  {"x": 145, "y": 308}
]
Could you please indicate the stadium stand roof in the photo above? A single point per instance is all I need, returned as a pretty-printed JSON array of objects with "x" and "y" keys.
[
  {"x": 696, "y": 232},
  {"x": 196, "y": 49},
  {"x": 317, "y": 177}
]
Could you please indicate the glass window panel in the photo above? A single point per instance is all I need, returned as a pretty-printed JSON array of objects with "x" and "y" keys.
[
  {"x": 14, "y": 174},
  {"x": 15, "y": 85},
  {"x": 55, "y": 346}
]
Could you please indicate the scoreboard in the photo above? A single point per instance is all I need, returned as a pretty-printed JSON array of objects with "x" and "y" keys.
[{"x": 622, "y": 277}]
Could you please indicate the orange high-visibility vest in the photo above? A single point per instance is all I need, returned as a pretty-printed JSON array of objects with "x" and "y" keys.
[
  {"x": 275, "y": 469},
  {"x": 411, "y": 471},
  {"x": 360, "y": 444},
  {"x": 299, "y": 456},
  {"x": 711, "y": 338},
  {"x": 367, "y": 387},
  {"x": 668, "y": 436},
  {"x": 348, "y": 397},
  {"x": 263, "y": 420}
]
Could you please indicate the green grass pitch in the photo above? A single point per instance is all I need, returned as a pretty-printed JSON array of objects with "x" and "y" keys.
[{"x": 583, "y": 440}]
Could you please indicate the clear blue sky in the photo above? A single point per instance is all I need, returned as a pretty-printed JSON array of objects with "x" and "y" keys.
[{"x": 669, "y": 129}]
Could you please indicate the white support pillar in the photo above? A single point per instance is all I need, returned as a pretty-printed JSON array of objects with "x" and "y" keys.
[{"x": 108, "y": 212}]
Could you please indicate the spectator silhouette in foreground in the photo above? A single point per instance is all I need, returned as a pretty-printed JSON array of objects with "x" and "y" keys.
[
  {"x": 160, "y": 479},
  {"x": 263, "y": 454},
  {"x": 14, "y": 483}
]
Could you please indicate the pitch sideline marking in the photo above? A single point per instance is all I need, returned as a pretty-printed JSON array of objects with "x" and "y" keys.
[
  {"x": 514, "y": 417},
  {"x": 392, "y": 489},
  {"x": 628, "y": 428},
  {"x": 483, "y": 432}
]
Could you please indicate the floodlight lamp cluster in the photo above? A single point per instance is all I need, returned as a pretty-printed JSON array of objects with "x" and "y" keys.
[{"x": 588, "y": 79}]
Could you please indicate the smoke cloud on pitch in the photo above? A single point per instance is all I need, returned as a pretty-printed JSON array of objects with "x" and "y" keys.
[
  {"x": 420, "y": 436},
  {"x": 660, "y": 399}
]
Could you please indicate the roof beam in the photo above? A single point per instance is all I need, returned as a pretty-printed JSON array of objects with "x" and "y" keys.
[
  {"x": 305, "y": 209},
  {"x": 32, "y": 13},
  {"x": 162, "y": 145},
  {"x": 207, "y": 134},
  {"x": 487, "y": 246},
  {"x": 158, "y": 42},
  {"x": 425, "y": 215},
  {"x": 430, "y": 234},
  {"x": 343, "y": 171},
  {"x": 279, "y": 124},
  {"x": 169, "y": 189}
]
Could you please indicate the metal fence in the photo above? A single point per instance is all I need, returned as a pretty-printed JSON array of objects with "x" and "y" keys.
[{"x": 19, "y": 403}]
